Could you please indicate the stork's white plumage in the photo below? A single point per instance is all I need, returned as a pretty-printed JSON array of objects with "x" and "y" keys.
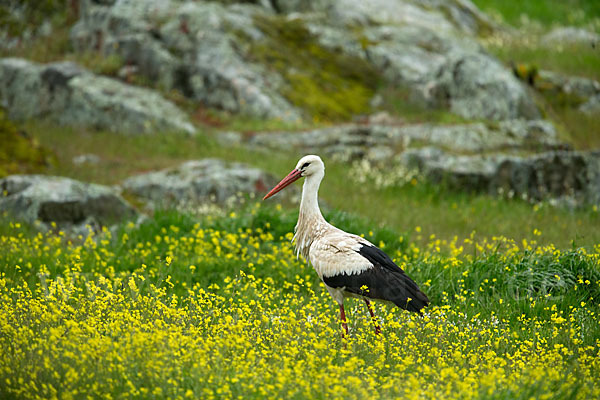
[{"x": 348, "y": 265}]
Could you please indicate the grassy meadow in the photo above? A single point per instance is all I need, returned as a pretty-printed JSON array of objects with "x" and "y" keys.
[
  {"x": 220, "y": 307},
  {"x": 216, "y": 305}
]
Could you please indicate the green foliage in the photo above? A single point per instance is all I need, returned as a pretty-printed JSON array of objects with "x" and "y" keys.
[
  {"x": 328, "y": 84},
  {"x": 16, "y": 16},
  {"x": 401, "y": 101},
  {"x": 19, "y": 153}
]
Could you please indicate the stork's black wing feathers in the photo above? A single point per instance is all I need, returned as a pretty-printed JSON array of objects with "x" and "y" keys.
[{"x": 385, "y": 281}]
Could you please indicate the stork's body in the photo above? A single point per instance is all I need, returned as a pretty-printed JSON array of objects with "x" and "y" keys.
[{"x": 348, "y": 265}]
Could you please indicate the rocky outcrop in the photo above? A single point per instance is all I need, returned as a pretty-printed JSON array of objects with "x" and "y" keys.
[
  {"x": 68, "y": 203},
  {"x": 190, "y": 46},
  {"x": 568, "y": 175},
  {"x": 383, "y": 142},
  {"x": 440, "y": 68},
  {"x": 285, "y": 59},
  {"x": 199, "y": 182},
  {"x": 514, "y": 157},
  {"x": 70, "y": 95}
]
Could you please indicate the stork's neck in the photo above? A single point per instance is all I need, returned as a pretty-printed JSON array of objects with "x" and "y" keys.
[
  {"x": 310, "y": 219},
  {"x": 309, "y": 206}
]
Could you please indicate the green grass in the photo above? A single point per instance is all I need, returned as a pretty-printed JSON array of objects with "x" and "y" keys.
[
  {"x": 573, "y": 60},
  {"x": 434, "y": 209},
  {"x": 546, "y": 12},
  {"x": 400, "y": 102},
  {"x": 191, "y": 306}
]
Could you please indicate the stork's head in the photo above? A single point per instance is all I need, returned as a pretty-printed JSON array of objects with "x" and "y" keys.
[{"x": 308, "y": 166}]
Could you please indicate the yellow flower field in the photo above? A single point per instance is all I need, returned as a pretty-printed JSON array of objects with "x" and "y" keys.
[{"x": 223, "y": 309}]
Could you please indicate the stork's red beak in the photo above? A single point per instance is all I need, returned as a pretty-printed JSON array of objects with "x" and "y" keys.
[{"x": 288, "y": 180}]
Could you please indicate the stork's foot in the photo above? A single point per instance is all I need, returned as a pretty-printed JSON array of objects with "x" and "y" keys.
[{"x": 373, "y": 318}]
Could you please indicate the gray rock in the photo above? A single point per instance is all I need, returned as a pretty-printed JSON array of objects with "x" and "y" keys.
[
  {"x": 190, "y": 46},
  {"x": 379, "y": 142},
  {"x": 387, "y": 12},
  {"x": 570, "y": 35},
  {"x": 464, "y": 15},
  {"x": 18, "y": 80},
  {"x": 476, "y": 86},
  {"x": 70, "y": 95},
  {"x": 435, "y": 14},
  {"x": 441, "y": 68},
  {"x": 63, "y": 201},
  {"x": 199, "y": 182},
  {"x": 550, "y": 175},
  {"x": 197, "y": 48}
]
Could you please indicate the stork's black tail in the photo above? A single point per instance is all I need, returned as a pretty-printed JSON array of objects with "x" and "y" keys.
[{"x": 393, "y": 283}]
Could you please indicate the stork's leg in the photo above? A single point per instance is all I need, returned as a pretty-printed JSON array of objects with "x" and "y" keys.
[
  {"x": 377, "y": 328},
  {"x": 343, "y": 318}
]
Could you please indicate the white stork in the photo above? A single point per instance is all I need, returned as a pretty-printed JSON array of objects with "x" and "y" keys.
[{"x": 348, "y": 265}]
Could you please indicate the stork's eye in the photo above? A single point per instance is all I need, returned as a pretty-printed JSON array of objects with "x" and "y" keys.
[{"x": 305, "y": 165}]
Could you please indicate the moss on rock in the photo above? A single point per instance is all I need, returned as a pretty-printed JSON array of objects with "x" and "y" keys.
[
  {"x": 326, "y": 83},
  {"x": 19, "y": 153}
]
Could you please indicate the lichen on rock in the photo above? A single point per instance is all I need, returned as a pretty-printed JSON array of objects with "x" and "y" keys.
[{"x": 327, "y": 83}]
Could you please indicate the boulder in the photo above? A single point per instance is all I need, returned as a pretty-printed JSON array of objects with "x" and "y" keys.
[
  {"x": 477, "y": 86},
  {"x": 550, "y": 175},
  {"x": 311, "y": 57},
  {"x": 70, "y": 95},
  {"x": 198, "y": 182},
  {"x": 66, "y": 202}
]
